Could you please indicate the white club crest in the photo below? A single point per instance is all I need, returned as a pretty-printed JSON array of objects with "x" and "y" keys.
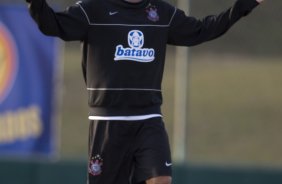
[{"x": 135, "y": 39}]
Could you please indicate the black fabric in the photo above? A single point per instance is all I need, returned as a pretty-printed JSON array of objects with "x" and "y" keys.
[
  {"x": 132, "y": 152},
  {"x": 126, "y": 85},
  {"x": 123, "y": 3}
]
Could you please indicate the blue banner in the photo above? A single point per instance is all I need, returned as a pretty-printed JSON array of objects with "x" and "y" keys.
[{"x": 28, "y": 70}]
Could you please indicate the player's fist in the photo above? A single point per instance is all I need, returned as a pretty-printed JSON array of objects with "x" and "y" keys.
[{"x": 259, "y": 1}]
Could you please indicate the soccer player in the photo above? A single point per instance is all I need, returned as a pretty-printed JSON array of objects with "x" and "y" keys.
[{"x": 123, "y": 55}]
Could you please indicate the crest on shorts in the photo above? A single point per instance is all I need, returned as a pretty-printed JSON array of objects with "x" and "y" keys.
[
  {"x": 152, "y": 13},
  {"x": 95, "y": 165}
]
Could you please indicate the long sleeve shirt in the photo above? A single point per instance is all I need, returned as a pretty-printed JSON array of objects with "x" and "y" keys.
[{"x": 124, "y": 46}]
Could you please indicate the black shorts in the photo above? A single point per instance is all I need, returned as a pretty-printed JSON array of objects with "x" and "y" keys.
[{"x": 128, "y": 152}]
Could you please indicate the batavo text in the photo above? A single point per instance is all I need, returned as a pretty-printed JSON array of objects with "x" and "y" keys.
[{"x": 20, "y": 125}]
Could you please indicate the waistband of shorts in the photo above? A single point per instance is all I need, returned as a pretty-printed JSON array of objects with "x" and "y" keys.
[{"x": 125, "y": 118}]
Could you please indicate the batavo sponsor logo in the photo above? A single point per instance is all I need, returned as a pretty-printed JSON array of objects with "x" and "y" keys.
[
  {"x": 8, "y": 62},
  {"x": 135, "y": 52},
  {"x": 20, "y": 125}
]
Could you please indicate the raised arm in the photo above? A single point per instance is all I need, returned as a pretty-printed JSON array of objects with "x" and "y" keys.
[
  {"x": 189, "y": 31},
  {"x": 70, "y": 24}
]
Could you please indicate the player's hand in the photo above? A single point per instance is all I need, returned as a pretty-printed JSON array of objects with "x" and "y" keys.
[{"x": 259, "y": 1}]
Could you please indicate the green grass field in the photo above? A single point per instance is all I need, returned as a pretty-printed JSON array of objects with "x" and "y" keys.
[{"x": 234, "y": 109}]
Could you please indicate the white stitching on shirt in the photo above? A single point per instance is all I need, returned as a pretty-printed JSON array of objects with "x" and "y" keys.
[
  {"x": 84, "y": 12},
  {"x": 172, "y": 16},
  {"x": 134, "y": 25}
]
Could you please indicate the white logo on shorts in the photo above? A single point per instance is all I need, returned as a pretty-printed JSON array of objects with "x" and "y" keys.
[
  {"x": 95, "y": 165},
  {"x": 168, "y": 164}
]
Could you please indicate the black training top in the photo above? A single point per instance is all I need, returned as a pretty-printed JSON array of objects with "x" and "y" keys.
[{"x": 124, "y": 46}]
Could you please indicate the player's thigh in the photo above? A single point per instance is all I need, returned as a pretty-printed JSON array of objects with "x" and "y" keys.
[
  {"x": 159, "y": 180},
  {"x": 152, "y": 158},
  {"x": 110, "y": 152}
]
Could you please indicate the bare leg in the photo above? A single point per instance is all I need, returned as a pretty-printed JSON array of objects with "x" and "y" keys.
[{"x": 159, "y": 180}]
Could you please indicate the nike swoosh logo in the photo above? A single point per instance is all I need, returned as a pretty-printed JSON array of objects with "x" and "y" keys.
[
  {"x": 168, "y": 164},
  {"x": 113, "y": 13}
]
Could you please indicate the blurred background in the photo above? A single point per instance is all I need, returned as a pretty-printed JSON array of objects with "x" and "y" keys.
[{"x": 234, "y": 104}]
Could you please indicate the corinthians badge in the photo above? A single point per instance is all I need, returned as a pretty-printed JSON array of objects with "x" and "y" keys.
[
  {"x": 152, "y": 13},
  {"x": 95, "y": 165}
]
